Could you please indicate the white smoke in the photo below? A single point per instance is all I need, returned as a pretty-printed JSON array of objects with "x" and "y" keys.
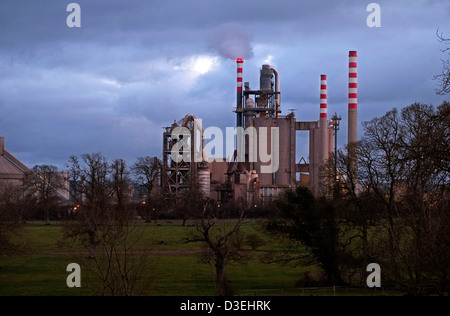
[{"x": 231, "y": 41}]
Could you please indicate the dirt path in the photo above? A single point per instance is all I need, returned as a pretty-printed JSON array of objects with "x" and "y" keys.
[{"x": 175, "y": 252}]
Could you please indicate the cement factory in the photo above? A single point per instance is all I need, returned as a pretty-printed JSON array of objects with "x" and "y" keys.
[{"x": 244, "y": 178}]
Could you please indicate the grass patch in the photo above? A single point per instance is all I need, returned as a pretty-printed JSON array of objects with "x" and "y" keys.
[
  {"x": 36, "y": 275},
  {"x": 42, "y": 272}
]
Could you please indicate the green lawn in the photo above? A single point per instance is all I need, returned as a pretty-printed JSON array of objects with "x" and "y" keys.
[
  {"x": 178, "y": 271},
  {"x": 36, "y": 275}
]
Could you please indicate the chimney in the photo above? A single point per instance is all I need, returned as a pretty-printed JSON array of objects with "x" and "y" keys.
[
  {"x": 352, "y": 98},
  {"x": 2, "y": 145},
  {"x": 239, "y": 109},
  {"x": 323, "y": 97},
  {"x": 323, "y": 119}
]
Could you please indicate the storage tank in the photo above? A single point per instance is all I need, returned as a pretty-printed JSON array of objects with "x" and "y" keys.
[
  {"x": 265, "y": 81},
  {"x": 204, "y": 181}
]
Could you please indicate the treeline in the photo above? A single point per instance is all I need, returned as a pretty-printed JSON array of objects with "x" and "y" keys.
[
  {"x": 385, "y": 200},
  {"x": 50, "y": 194}
]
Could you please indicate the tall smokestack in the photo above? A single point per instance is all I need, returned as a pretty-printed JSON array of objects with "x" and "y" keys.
[
  {"x": 239, "y": 110},
  {"x": 352, "y": 98},
  {"x": 323, "y": 119},
  {"x": 323, "y": 97}
]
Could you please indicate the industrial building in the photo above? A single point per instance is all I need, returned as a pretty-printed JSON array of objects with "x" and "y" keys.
[
  {"x": 261, "y": 128},
  {"x": 12, "y": 171}
]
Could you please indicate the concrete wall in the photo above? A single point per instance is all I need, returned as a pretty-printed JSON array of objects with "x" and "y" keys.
[
  {"x": 317, "y": 157},
  {"x": 285, "y": 175},
  {"x": 314, "y": 160}
]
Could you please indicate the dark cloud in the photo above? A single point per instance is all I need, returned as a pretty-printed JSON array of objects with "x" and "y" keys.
[{"x": 135, "y": 66}]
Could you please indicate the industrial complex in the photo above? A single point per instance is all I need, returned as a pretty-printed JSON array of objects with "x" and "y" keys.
[
  {"x": 260, "y": 128},
  {"x": 263, "y": 163}
]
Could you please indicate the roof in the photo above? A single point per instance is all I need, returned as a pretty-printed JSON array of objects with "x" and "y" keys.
[
  {"x": 10, "y": 166},
  {"x": 6, "y": 167}
]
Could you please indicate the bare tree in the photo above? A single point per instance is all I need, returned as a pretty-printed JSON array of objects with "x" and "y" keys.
[
  {"x": 426, "y": 200},
  {"x": 12, "y": 203},
  {"x": 122, "y": 266},
  {"x": 47, "y": 183},
  {"x": 121, "y": 184},
  {"x": 355, "y": 204},
  {"x": 148, "y": 171},
  {"x": 222, "y": 241},
  {"x": 190, "y": 202},
  {"x": 383, "y": 173},
  {"x": 91, "y": 191},
  {"x": 399, "y": 194},
  {"x": 104, "y": 224},
  {"x": 403, "y": 176},
  {"x": 443, "y": 79}
]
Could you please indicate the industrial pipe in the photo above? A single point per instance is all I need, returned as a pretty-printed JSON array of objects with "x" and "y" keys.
[{"x": 277, "y": 90}]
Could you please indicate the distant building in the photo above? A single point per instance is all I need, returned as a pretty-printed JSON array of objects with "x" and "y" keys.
[{"x": 12, "y": 171}]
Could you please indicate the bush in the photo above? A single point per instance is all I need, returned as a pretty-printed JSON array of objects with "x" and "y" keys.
[{"x": 254, "y": 241}]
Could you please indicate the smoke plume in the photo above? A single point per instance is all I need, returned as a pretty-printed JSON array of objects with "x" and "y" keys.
[{"x": 231, "y": 41}]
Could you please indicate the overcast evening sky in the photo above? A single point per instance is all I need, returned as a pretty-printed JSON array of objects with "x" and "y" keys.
[{"x": 135, "y": 66}]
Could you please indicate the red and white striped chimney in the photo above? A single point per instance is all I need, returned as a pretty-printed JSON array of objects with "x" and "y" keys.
[
  {"x": 240, "y": 85},
  {"x": 323, "y": 118},
  {"x": 352, "y": 98},
  {"x": 323, "y": 97}
]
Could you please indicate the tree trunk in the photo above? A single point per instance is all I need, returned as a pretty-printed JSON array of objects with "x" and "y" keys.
[
  {"x": 365, "y": 242},
  {"x": 155, "y": 213},
  {"x": 221, "y": 278},
  {"x": 47, "y": 216},
  {"x": 91, "y": 245},
  {"x": 223, "y": 286}
]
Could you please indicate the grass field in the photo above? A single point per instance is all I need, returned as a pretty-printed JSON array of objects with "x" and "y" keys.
[{"x": 178, "y": 272}]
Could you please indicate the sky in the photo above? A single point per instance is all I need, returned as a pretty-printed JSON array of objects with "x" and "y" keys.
[{"x": 135, "y": 66}]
